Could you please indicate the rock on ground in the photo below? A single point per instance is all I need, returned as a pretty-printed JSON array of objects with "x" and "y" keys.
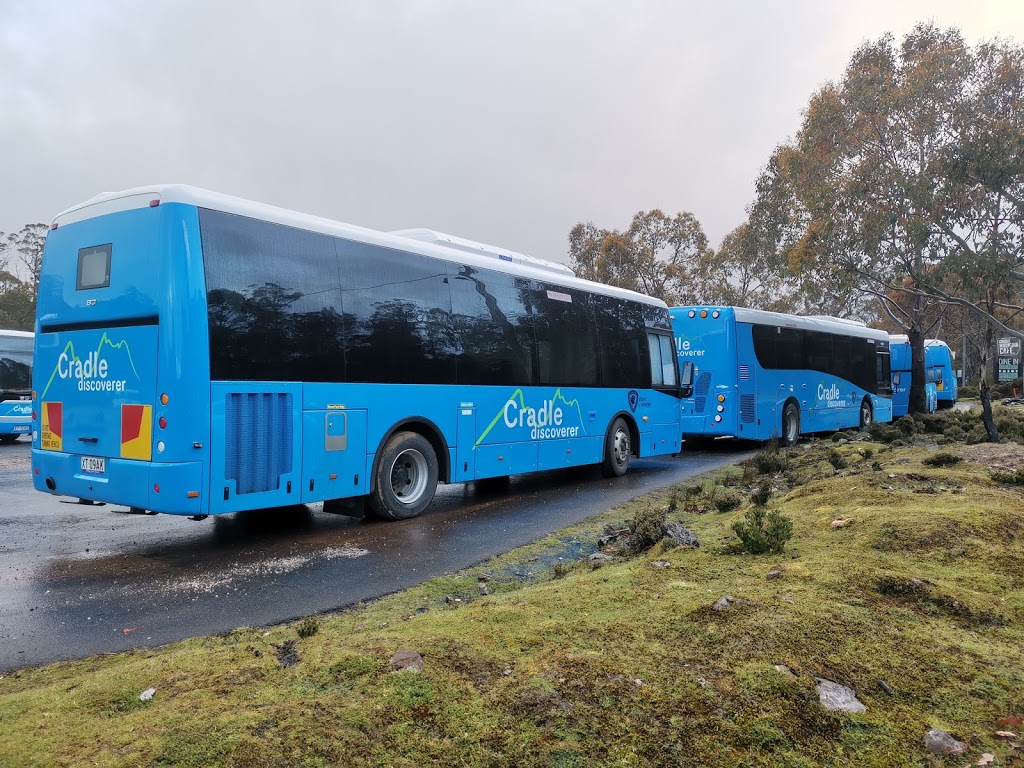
[
  {"x": 938, "y": 742},
  {"x": 406, "y": 661},
  {"x": 838, "y": 697},
  {"x": 681, "y": 535}
]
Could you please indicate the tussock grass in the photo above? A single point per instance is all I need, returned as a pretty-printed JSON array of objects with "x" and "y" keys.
[{"x": 628, "y": 664}]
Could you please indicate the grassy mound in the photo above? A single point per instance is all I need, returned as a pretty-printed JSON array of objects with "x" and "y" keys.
[{"x": 914, "y": 600}]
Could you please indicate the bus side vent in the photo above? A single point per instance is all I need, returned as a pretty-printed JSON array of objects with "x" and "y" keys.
[
  {"x": 744, "y": 372},
  {"x": 258, "y": 437},
  {"x": 701, "y": 391},
  {"x": 747, "y": 409}
]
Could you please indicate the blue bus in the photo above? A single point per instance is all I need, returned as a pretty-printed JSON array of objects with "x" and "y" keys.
[
  {"x": 15, "y": 385},
  {"x": 902, "y": 367},
  {"x": 200, "y": 354},
  {"x": 765, "y": 375},
  {"x": 938, "y": 356}
]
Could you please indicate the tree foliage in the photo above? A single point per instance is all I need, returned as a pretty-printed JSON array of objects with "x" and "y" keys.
[
  {"x": 904, "y": 184},
  {"x": 21, "y": 256},
  {"x": 659, "y": 255}
]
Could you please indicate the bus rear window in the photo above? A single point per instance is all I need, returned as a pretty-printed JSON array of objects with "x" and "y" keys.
[{"x": 94, "y": 267}]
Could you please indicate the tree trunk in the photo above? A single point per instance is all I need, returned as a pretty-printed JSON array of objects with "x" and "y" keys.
[
  {"x": 986, "y": 412},
  {"x": 918, "y": 402}
]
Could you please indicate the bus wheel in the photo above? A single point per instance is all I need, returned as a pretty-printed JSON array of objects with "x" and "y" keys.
[
  {"x": 7, "y": 439},
  {"x": 866, "y": 414},
  {"x": 616, "y": 450},
  {"x": 406, "y": 477},
  {"x": 790, "y": 424}
]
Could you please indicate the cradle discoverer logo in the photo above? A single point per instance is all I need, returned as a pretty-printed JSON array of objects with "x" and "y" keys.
[
  {"x": 93, "y": 373},
  {"x": 687, "y": 347},
  {"x": 554, "y": 417},
  {"x": 831, "y": 396}
]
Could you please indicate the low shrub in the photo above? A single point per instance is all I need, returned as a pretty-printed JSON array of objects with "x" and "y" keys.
[
  {"x": 759, "y": 497},
  {"x": 942, "y": 459},
  {"x": 727, "y": 502},
  {"x": 308, "y": 627},
  {"x": 955, "y": 433},
  {"x": 769, "y": 461},
  {"x": 867, "y": 453},
  {"x": 647, "y": 528},
  {"x": 1009, "y": 478},
  {"x": 762, "y": 531},
  {"x": 835, "y": 458}
]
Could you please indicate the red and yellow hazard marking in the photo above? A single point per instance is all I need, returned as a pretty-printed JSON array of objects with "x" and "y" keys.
[
  {"x": 53, "y": 427},
  {"x": 137, "y": 432}
]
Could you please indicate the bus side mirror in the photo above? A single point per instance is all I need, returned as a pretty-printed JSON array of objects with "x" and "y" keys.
[{"x": 686, "y": 379}]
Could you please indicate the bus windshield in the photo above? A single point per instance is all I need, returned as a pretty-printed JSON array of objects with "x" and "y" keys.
[{"x": 15, "y": 362}]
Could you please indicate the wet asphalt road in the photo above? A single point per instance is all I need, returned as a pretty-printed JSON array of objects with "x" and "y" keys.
[{"x": 78, "y": 580}]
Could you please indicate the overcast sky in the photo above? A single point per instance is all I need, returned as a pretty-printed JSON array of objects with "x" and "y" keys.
[{"x": 505, "y": 122}]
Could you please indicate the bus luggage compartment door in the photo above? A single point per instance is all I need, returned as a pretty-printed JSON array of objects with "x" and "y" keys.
[
  {"x": 256, "y": 445},
  {"x": 333, "y": 455}
]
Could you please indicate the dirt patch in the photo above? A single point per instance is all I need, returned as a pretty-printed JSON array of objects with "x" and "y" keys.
[{"x": 1007, "y": 457}]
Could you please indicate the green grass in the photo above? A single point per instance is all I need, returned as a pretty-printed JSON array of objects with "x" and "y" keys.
[{"x": 625, "y": 664}]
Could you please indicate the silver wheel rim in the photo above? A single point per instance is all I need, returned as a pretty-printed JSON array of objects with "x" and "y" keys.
[
  {"x": 409, "y": 477},
  {"x": 620, "y": 447},
  {"x": 790, "y": 427},
  {"x": 865, "y": 415}
]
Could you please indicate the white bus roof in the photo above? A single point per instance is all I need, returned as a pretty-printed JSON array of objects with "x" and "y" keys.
[
  {"x": 814, "y": 323},
  {"x": 453, "y": 250}
]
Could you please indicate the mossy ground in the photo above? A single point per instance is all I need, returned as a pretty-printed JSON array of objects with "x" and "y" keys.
[{"x": 625, "y": 664}]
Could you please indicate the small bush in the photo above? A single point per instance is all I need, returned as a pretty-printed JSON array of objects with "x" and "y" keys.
[
  {"x": 876, "y": 466},
  {"x": 673, "y": 503},
  {"x": 883, "y": 433},
  {"x": 968, "y": 392},
  {"x": 762, "y": 531},
  {"x": 760, "y": 496},
  {"x": 308, "y": 627},
  {"x": 867, "y": 453},
  {"x": 835, "y": 458},
  {"x": 559, "y": 571},
  {"x": 909, "y": 425},
  {"x": 837, "y": 436},
  {"x": 647, "y": 528},
  {"x": 942, "y": 459},
  {"x": 727, "y": 502},
  {"x": 769, "y": 461},
  {"x": 955, "y": 433},
  {"x": 1009, "y": 478},
  {"x": 977, "y": 435}
]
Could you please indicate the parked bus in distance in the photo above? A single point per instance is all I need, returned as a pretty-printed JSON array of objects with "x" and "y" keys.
[
  {"x": 938, "y": 356},
  {"x": 765, "y": 375},
  {"x": 200, "y": 354},
  {"x": 15, "y": 385},
  {"x": 902, "y": 365}
]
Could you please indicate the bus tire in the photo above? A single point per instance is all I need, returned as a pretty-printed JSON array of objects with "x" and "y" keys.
[
  {"x": 867, "y": 414},
  {"x": 790, "y": 423},
  {"x": 406, "y": 477},
  {"x": 617, "y": 449},
  {"x": 8, "y": 439}
]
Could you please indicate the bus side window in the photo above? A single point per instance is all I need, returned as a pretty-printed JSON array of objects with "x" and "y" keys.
[{"x": 663, "y": 360}]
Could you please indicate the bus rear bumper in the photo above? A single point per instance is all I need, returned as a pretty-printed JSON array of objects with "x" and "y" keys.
[{"x": 127, "y": 482}]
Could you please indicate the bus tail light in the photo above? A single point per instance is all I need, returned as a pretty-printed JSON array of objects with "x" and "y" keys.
[
  {"x": 193, "y": 494},
  {"x": 721, "y": 398},
  {"x": 691, "y": 313},
  {"x": 716, "y": 314},
  {"x": 156, "y": 487},
  {"x": 164, "y": 399},
  {"x": 162, "y": 423},
  {"x": 703, "y": 313}
]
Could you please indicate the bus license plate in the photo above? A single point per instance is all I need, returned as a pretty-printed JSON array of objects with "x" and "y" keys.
[{"x": 93, "y": 465}]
